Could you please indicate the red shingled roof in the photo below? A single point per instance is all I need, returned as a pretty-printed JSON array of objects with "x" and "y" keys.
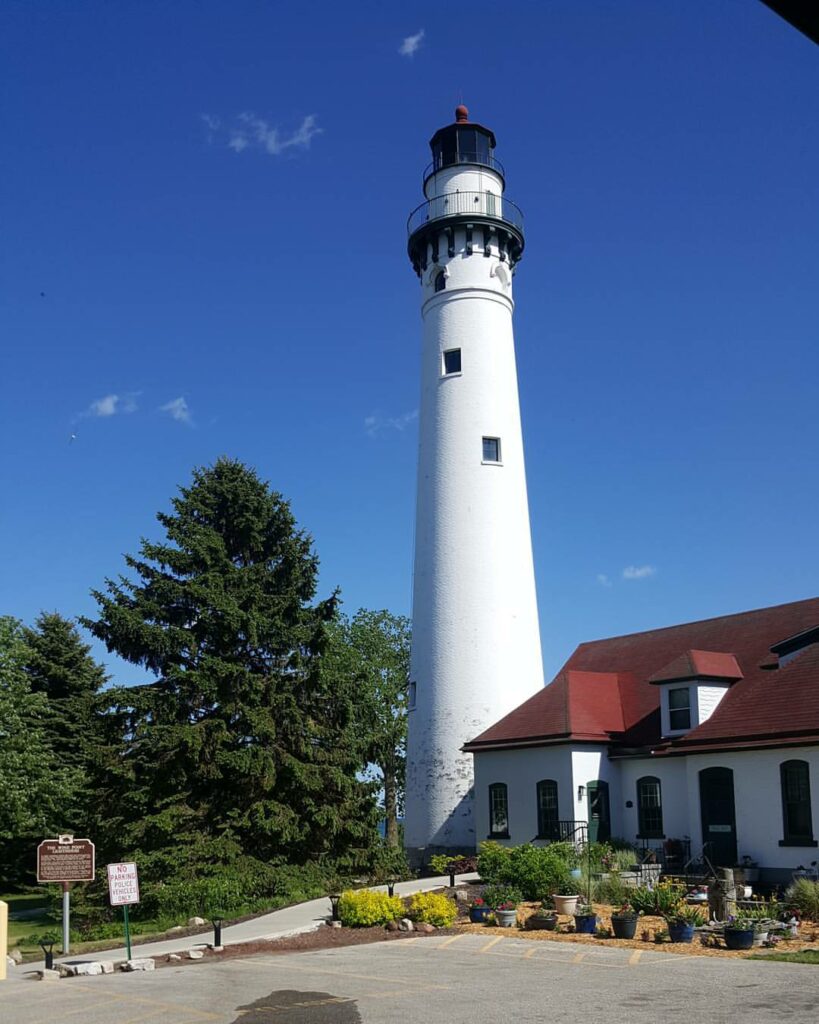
[
  {"x": 699, "y": 665},
  {"x": 604, "y": 693}
]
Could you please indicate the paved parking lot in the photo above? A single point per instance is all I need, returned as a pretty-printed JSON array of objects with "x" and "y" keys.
[{"x": 441, "y": 980}]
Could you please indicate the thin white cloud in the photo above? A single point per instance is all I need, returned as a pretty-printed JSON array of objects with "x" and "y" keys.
[
  {"x": 377, "y": 424},
  {"x": 639, "y": 572},
  {"x": 410, "y": 44},
  {"x": 111, "y": 405},
  {"x": 178, "y": 410},
  {"x": 252, "y": 132},
  {"x": 603, "y": 580}
]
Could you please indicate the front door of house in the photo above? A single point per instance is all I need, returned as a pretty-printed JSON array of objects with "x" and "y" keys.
[
  {"x": 719, "y": 826},
  {"x": 597, "y": 794}
]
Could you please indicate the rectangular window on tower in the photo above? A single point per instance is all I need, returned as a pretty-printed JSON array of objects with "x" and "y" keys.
[
  {"x": 491, "y": 449},
  {"x": 452, "y": 361}
]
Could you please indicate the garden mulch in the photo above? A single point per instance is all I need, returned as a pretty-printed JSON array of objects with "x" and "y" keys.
[{"x": 808, "y": 935}]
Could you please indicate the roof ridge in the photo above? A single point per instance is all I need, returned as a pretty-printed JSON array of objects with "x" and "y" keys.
[{"x": 697, "y": 622}]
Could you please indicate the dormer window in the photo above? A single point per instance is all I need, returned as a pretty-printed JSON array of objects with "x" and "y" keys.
[{"x": 679, "y": 708}]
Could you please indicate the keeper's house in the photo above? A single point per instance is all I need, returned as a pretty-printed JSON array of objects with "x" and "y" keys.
[{"x": 703, "y": 735}]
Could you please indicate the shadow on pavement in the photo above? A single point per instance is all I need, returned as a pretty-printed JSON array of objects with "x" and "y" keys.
[{"x": 299, "y": 1008}]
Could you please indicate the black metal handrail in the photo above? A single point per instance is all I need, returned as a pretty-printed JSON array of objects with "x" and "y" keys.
[
  {"x": 565, "y": 831},
  {"x": 462, "y": 204},
  {"x": 481, "y": 159}
]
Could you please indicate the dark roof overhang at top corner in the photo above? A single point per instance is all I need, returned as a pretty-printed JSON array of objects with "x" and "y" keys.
[
  {"x": 803, "y": 16},
  {"x": 796, "y": 642},
  {"x": 463, "y": 124}
]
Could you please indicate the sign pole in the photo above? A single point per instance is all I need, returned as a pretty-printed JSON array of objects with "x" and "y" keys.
[
  {"x": 66, "y": 917},
  {"x": 127, "y": 931}
]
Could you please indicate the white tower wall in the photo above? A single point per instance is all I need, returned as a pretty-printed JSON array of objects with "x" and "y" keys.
[{"x": 476, "y": 642}]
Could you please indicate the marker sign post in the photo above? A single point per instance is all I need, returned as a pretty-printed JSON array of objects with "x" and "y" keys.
[
  {"x": 64, "y": 860},
  {"x": 123, "y": 891}
]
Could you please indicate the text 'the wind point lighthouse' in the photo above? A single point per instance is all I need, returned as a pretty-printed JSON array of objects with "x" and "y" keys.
[{"x": 476, "y": 639}]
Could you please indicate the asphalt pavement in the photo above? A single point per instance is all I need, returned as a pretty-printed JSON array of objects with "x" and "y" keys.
[{"x": 454, "y": 979}]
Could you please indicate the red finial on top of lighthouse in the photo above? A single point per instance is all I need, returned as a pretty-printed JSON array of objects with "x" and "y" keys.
[{"x": 461, "y": 113}]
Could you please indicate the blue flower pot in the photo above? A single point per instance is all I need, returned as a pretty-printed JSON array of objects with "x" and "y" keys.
[
  {"x": 478, "y": 915},
  {"x": 682, "y": 932},
  {"x": 736, "y": 938},
  {"x": 585, "y": 924}
]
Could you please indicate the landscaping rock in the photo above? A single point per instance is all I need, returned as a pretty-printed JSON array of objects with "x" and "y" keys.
[
  {"x": 391, "y": 926},
  {"x": 216, "y": 949},
  {"x": 107, "y": 966},
  {"x": 462, "y": 896},
  {"x": 67, "y": 970},
  {"x": 426, "y": 927},
  {"x": 173, "y": 956},
  {"x": 335, "y": 924},
  {"x": 88, "y": 969},
  {"x": 141, "y": 964},
  {"x": 177, "y": 928},
  {"x": 405, "y": 925},
  {"x": 195, "y": 954},
  {"x": 195, "y": 922},
  {"x": 48, "y": 975},
  {"x": 16, "y": 955}
]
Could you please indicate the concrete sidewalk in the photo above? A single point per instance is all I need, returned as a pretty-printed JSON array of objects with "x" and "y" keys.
[{"x": 303, "y": 917}]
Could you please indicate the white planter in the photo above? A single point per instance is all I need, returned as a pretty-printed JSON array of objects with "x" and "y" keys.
[
  {"x": 506, "y": 918},
  {"x": 565, "y": 904}
]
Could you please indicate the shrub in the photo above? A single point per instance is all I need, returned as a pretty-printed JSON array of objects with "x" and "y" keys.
[
  {"x": 538, "y": 871},
  {"x": 389, "y": 862},
  {"x": 363, "y": 908},
  {"x": 803, "y": 895},
  {"x": 433, "y": 908},
  {"x": 495, "y": 895},
  {"x": 659, "y": 901},
  {"x": 611, "y": 890}
]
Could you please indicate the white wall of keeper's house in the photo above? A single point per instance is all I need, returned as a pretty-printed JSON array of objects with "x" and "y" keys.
[
  {"x": 757, "y": 794},
  {"x": 521, "y": 770}
]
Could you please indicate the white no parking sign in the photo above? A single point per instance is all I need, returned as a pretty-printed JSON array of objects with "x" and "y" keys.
[{"x": 123, "y": 884}]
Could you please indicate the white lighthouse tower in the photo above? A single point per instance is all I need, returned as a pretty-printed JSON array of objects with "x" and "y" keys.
[{"x": 476, "y": 640}]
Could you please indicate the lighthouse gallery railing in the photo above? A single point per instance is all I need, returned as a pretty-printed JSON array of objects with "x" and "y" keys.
[{"x": 462, "y": 204}]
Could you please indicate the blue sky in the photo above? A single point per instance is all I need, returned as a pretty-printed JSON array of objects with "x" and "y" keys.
[{"x": 203, "y": 215}]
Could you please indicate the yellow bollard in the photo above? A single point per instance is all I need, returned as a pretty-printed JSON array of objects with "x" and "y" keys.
[{"x": 4, "y": 938}]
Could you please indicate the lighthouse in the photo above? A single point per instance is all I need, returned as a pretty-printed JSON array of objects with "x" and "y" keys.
[{"x": 476, "y": 638}]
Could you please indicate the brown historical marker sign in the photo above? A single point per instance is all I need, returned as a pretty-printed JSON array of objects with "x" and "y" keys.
[{"x": 65, "y": 859}]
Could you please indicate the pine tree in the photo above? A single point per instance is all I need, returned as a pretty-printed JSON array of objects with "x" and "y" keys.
[
  {"x": 59, "y": 665},
  {"x": 35, "y": 787},
  {"x": 370, "y": 653},
  {"x": 239, "y": 747}
]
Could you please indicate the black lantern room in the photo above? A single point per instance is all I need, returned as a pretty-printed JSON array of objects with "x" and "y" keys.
[{"x": 463, "y": 143}]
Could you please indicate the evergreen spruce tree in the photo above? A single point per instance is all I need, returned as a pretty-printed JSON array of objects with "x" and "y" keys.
[
  {"x": 59, "y": 665},
  {"x": 240, "y": 747}
]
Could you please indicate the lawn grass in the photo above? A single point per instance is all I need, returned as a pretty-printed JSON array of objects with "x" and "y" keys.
[
  {"x": 37, "y": 920},
  {"x": 806, "y": 956}
]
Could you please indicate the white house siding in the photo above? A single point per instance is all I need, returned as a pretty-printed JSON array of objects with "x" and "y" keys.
[
  {"x": 707, "y": 698},
  {"x": 521, "y": 770},
  {"x": 673, "y": 791},
  {"x": 758, "y": 803},
  {"x": 590, "y": 763}
]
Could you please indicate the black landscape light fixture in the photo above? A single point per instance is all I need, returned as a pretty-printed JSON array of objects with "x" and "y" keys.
[
  {"x": 46, "y": 943},
  {"x": 334, "y": 898},
  {"x": 217, "y": 921},
  {"x": 452, "y": 879},
  {"x": 391, "y": 886}
]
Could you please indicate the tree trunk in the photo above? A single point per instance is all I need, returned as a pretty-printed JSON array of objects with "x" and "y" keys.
[
  {"x": 390, "y": 811},
  {"x": 722, "y": 896}
]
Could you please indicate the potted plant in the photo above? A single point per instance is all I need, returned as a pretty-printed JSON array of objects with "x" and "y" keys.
[
  {"x": 738, "y": 933},
  {"x": 504, "y": 900},
  {"x": 544, "y": 917},
  {"x": 682, "y": 921},
  {"x": 585, "y": 919},
  {"x": 565, "y": 904},
  {"x": 479, "y": 911},
  {"x": 624, "y": 922}
]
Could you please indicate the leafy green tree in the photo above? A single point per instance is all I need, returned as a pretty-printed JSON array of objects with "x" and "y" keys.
[
  {"x": 35, "y": 787},
  {"x": 59, "y": 665},
  {"x": 370, "y": 652},
  {"x": 240, "y": 747}
]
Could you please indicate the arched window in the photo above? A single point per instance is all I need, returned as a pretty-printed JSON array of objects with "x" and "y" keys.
[
  {"x": 796, "y": 813},
  {"x": 440, "y": 281},
  {"x": 547, "y": 812},
  {"x": 498, "y": 811},
  {"x": 649, "y": 808}
]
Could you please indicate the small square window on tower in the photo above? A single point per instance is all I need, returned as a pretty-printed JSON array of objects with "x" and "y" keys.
[
  {"x": 491, "y": 449},
  {"x": 452, "y": 361}
]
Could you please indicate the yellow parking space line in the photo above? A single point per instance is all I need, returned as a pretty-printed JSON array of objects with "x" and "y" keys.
[
  {"x": 530, "y": 953},
  {"x": 490, "y": 944},
  {"x": 578, "y": 957},
  {"x": 449, "y": 941},
  {"x": 325, "y": 970},
  {"x": 172, "y": 1008},
  {"x": 634, "y": 959},
  {"x": 669, "y": 959},
  {"x": 404, "y": 992}
]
